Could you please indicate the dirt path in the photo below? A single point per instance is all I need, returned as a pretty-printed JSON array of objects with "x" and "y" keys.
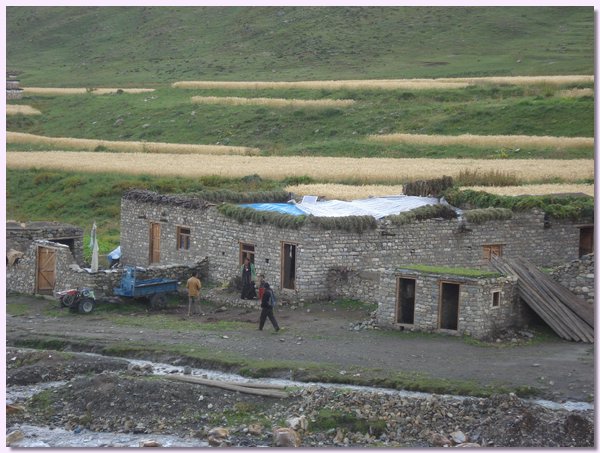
[{"x": 318, "y": 333}]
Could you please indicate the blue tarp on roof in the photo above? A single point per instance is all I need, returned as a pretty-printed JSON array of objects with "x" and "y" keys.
[
  {"x": 377, "y": 207},
  {"x": 282, "y": 208}
]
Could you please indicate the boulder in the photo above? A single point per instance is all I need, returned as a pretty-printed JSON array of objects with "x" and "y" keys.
[{"x": 286, "y": 438}]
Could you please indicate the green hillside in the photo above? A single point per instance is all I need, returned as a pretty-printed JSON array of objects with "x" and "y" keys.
[{"x": 105, "y": 46}]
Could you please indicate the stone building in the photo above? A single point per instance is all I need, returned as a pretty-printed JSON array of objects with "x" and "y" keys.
[
  {"x": 13, "y": 90},
  {"x": 312, "y": 262}
]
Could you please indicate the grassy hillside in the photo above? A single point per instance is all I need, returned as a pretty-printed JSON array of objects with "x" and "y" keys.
[
  {"x": 104, "y": 46},
  {"x": 167, "y": 115},
  {"x": 92, "y": 47}
]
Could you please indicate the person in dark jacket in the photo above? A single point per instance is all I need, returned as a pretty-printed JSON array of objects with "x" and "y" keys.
[
  {"x": 266, "y": 304},
  {"x": 248, "y": 278}
]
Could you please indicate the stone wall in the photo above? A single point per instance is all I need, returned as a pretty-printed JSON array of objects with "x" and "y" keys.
[
  {"x": 433, "y": 242},
  {"x": 21, "y": 278},
  {"x": 578, "y": 276},
  {"x": 477, "y": 316},
  {"x": 20, "y": 236}
]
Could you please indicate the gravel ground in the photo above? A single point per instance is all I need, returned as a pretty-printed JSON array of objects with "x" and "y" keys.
[
  {"x": 131, "y": 399},
  {"x": 106, "y": 394}
]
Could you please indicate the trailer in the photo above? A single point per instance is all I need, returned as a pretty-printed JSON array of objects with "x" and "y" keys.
[{"x": 154, "y": 290}]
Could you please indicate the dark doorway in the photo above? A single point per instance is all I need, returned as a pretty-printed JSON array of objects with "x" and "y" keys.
[
  {"x": 288, "y": 265},
  {"x": 586, "y": 240},
  {"x": 405, "y": 307},
  {"x": 449, "y": 306},
  {"x": 154, "y": 243}
]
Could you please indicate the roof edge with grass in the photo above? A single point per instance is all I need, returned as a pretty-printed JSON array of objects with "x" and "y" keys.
[
  {"x": 423, "y": 213},
  {"x": 568, "y": 206},
  {"x": 203, "y": 199},
  {"x": 454, "y": 271}
]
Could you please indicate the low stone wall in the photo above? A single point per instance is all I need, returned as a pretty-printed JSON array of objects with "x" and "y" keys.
[
  {"x": 21, "y": 278},
  {"x": 346, "y": 283},
  {"x": 578, "y": 276}
]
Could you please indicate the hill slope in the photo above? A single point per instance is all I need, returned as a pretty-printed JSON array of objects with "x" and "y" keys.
[{"x": 102, "y": 46}]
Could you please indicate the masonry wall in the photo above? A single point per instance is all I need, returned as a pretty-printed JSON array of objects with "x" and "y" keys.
[
  {"x": 363, "y": 256},
  {"x": 578, "y": 276},
  {"x": 19, "y": 237},
  {"x": 476, "y": 315},
  {"x": 21, "y": 278}
]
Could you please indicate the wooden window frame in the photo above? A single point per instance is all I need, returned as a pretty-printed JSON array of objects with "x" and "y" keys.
[
  {"x": 244, "y": 251},
  {"x": 496, "y": 299},
  {"x": 186, "y": 237},
  {"x": 490, "y": 250}
]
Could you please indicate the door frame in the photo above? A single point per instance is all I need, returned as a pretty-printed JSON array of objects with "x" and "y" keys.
[
  {"x": 440, "y": 303},
  {"x": 399, "y": 312},
  {"x": 41, "y": 269},
  {"x": 283, "y": 261},
  {"x": 154, "y": 246}
]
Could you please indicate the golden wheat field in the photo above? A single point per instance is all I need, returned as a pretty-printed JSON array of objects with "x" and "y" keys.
[
  {"x": 348, "y": 192},
  {"x": 327, "y": 169},
  {"x": 69, "y": 91},
  {"x": 19, "y": 109},
  {"x": 576, "y": 93},
  {"x": 392, "y": 84},
  {"x": 345, "y": 191},
  {"x": 537, "y": 189},
  {"x": 406, "y": 84},
  {"x": 272, "y": 102},
  {"x": 500, "y": 141},
  {"x": 125, "y": 146}
]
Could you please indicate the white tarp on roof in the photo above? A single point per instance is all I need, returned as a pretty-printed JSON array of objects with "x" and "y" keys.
[{"x": 377, "y": 207}]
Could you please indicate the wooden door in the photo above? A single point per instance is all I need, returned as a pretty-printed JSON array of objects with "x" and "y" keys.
[
  {"x": 46, "y": 270},
  {"x": 154, "y": 243}
]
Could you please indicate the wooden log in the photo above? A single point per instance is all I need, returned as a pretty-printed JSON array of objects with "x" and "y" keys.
[
  {"x": 229, "y": 386},
  {"x": 542, "y": 284},
  {"x": 564, "y": 315},
  {"x": 547, "y": 299}
]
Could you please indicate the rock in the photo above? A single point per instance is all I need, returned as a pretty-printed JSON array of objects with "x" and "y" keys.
[
  {"x": 468, "y": 445},
  {"x": 13, "y": 408},
  {"x": 439, "y": 440},
  {"x": 286, "y": 438},
  {"x": 218, "y": 436},
  {"x": 149, "y": 443},
  {"x": 14, "y": 436},
  {"x": 187, "y": 370},
  {"x": 297, "y": 423},
  {"x": 255, "y": 429},
  {"x": 458, "y": 437}
]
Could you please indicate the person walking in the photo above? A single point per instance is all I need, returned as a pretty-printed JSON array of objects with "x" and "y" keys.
[
  {"x": 266, "y": 304},
  {"x": 248, "y": 278},
  {"x": 193, "y": 286}
]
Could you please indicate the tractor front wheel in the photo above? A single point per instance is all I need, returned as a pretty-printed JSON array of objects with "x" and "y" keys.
[{"x": 86, "y": 305}]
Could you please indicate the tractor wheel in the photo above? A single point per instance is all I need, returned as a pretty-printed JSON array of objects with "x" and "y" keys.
[
  {"x": 158, "y": 301},
  {"x": 67, "y": 301},
  {"x": 86, "y": 305}
]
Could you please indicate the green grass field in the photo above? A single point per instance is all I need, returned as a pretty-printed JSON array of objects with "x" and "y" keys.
[{"x": 152, "y": 47}]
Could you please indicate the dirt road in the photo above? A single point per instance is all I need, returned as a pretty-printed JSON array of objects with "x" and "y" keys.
[{"x": 317, "y": 334}]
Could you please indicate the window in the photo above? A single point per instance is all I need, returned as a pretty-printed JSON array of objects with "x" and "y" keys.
[
  {"x": 246, "y": 251},
  {"x": 490, "y": 250},
  {"x": 183, "y": 238},
  {"x": 496, "y": 299}
]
